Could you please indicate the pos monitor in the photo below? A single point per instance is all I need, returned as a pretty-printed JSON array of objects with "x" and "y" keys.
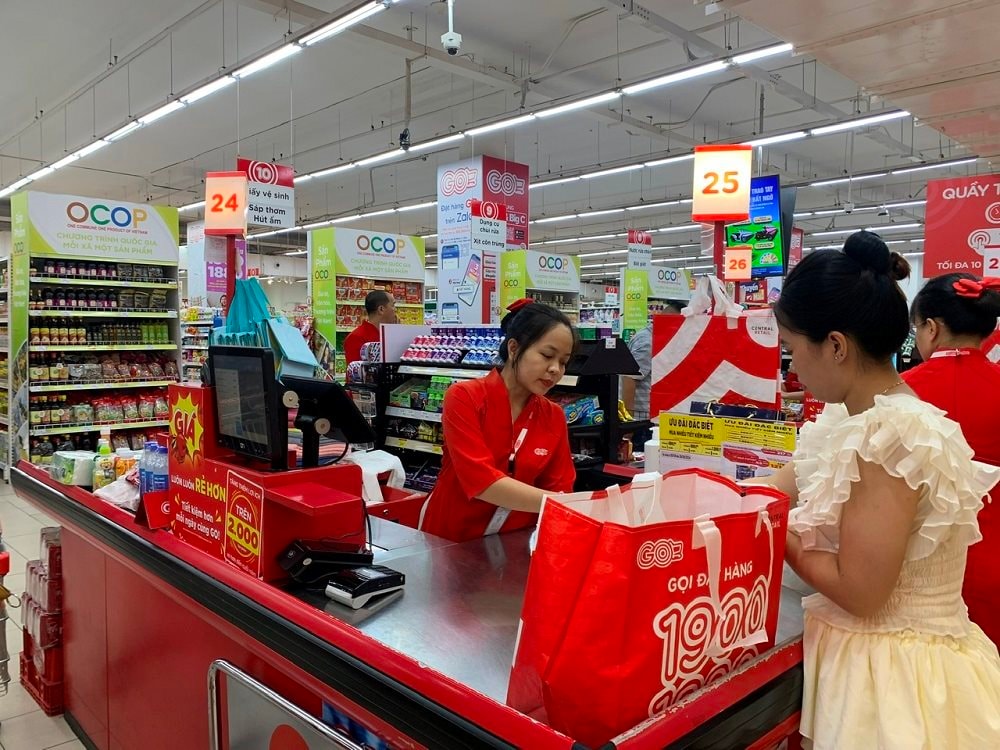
[{"x": 324, "y": 409}]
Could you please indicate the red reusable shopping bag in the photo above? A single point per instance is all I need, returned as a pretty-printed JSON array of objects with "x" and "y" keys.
[
  {"x": 638, "y": 597},
  {"x": 728, "y": 356}
]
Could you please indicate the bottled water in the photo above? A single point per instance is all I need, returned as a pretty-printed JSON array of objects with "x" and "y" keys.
[{"x": 159, "y": 469}]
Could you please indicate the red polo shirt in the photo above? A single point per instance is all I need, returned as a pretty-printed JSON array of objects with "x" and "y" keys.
[
  {"x": 364, "y": 334},
  {"x": 478, "y": 440},
  {"x": 965, "y": 384}
]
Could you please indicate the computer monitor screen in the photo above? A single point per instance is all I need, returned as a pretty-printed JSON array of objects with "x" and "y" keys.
[
  {"x": 247, "y": 418},
  {"x": 763, "y": 232}
]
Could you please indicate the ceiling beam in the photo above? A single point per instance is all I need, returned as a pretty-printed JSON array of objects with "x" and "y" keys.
[{"x": 655, "y": 22}]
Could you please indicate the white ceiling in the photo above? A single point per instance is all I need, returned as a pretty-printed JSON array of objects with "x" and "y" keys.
[{"x": 344, "y": 99}]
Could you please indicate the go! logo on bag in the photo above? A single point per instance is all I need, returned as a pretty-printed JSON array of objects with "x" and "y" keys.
[{"x": 659, "y": 554}]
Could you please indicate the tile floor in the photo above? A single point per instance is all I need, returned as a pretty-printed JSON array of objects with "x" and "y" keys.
[{"x": 23, "y": 726}]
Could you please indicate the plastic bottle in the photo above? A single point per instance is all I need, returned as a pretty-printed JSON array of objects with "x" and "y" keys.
[
  {"x": 146, "y": 468},
  {"x": 160, "y": 469}
]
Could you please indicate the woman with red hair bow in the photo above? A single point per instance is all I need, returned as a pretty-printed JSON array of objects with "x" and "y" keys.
[
  {"x": 954, "y": 314},
  {"x": 506, "y": 446}
]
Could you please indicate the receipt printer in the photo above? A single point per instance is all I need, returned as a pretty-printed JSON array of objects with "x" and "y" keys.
[
  {"x": 355, "y": 587},
  {"x": 310, "y": 561}
]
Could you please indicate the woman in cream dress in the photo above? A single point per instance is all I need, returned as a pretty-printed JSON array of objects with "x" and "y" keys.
[{"x": 887, "y": 495}]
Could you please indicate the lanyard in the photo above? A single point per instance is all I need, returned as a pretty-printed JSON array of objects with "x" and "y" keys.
[
  {"x": 500, "y": 515},
  {"x": 951, "y": 353},
  {"x": 513, "y": 451}
]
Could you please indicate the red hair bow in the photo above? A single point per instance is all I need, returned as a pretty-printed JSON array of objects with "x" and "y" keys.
[
  {"x": 972, "y": 289},
  {"x": 518, "y": 304}
]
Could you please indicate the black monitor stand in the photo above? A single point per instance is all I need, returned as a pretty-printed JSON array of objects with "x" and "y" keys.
[{"x": 312, "y": 427}]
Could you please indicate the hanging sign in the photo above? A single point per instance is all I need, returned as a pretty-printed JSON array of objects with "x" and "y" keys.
[
  {"x": 270, "y": 193},
  {"x": 738, "y": 263},
  {"x": 225, "y": 203},
  {"x": 962, "y": 226},
  {"x": 795, "y": 248},
  {"x": 721, "y": 182},
  {"x": 640, "y": 249}
]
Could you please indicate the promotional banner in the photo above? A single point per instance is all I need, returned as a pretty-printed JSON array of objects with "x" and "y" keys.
[
  {"x": 670, "y": 284},
  {"x": 795, "y": 245},
  {"x": 962, "y": 225},
  {"x": 208, "y": 271},
  {"x": 270, "y": 193},
  {"x": 513, "y": 277},
  {"x": 524, "y": 271},
  {"x": 640, "y": 249},
  {"x": 635, "y": 299},
  {"x": 105, "y": 230},
  {"x": 352, "y": 254},
  {"x": 762, "y": 233},
  {"x": 482, "y": 178},
  {"x": 17, "y": 362},
  {"x": 467, "y": 279},
  {"x": 244, "y": 523}
]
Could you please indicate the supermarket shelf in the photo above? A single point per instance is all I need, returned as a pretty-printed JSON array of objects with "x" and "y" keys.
[
  {"x": 425, "y": 416},
  {"x": 106, "y": 348},
  {"x": 599, "y": 307},
  {"x": 69, "y": 429},
  {"x": 581, "y": 430},
  {"x": 448, "y": 372},
  {"x": 74, "y": 385},
  {"x": 62, "y": 281},
  {"x": 197, "y": 322},
  {"x": 195, "y": 347},
  {"x": 74, "y": 312},
  {"x": 414, "y": 445},
  {"x": 361, "y": 302}
]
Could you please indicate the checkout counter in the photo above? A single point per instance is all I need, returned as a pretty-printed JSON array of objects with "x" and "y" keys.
[{"x": 161, "y": 637}]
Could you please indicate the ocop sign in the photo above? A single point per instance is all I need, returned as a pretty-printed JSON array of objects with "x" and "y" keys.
[
  {"x": 387, "y": 245},
  {"x": 101, "y": 215},
  {"x": 552, "y": 262}
]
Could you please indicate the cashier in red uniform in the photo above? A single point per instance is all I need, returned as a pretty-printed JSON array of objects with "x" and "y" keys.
[
  {"x": 953, "y": 315},
  {"x": 380, "y": 308},
  {"x": 505, "y": 444}
]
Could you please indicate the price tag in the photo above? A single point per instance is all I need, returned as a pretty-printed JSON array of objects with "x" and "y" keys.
[
  {"x": 991, "y": 262},
  {"x": 738, "y": 264},
  {"x": 721, "y": 190},
  {"x": 225, "y": 203}
]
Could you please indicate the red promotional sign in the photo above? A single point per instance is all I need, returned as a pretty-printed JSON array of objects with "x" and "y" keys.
[
  {"x": 795, "y": 248},
  {"x": 266, "y": 173},
  {"x": 506, "y": 182},
  {"x": 244, "y": 523},
  {"x": 489, "y": 210},
  {"x": 962, "y": 224},
  {"x": 271, "y": 193},
  {"x": 637, "y": 237}
]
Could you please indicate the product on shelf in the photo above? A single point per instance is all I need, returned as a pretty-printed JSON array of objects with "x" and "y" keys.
[
  {"x": 421, "y": 394},
  {"x": 76, "y": 332},
  {"x": 55, "y": 267},
  {"x": 475, "y": 347},
  {"x": 599, "y": 315},
  {"x": 579, "y": 410}
]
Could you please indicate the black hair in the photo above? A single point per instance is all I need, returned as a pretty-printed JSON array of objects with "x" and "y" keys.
[
  {"x": 528, "y": 324},
  {"x": 963, "y": 316},
  {"x": 853, "y": 291},
  {"x": 375, "y": 300}
]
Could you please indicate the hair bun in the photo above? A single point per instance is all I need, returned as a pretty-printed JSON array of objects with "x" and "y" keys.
[{"x": 870, "y": 252}]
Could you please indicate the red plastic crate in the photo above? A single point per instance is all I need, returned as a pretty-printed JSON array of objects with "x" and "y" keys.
[
  {"x": 48, "y": 695},
  {"x": 49, "y": 664}
]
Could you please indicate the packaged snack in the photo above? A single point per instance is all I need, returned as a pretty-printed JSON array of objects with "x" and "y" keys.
[
  {"x": 158, "y": 299},
  {"x": 162, "y": 408},
  {"x": 131, "y": 408},
  {"x": 146, "y": 407},
  {"x": 154, "y": 272},
  {"x": 124, "y": 460},
  {"x": 142, "y": 300},
  {"x": 119, "y": 441},
  {"x": 140, "y": 272},
  {"x": 155, "y": 370},
  {"x": 141, "y": 371},
  {"x": 77, "y": 372},
  {"x": 83, "y": 413},
  {"x": 126, "y": 299},
  {"x": 109, "y": 372},
  {"x": 170, "y": 369},
  {"x": 124, "y": 270},
  {"x": 138, "y": 441},
  {"x": 103, "y": 471},
  {"x": 124, "y": 372}
]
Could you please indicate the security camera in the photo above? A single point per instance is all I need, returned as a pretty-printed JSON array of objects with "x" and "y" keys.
[
  {"x": 849, "y": 207},
  {"x": 883, "y": 211},
  {"x": 452, "y": 42}
]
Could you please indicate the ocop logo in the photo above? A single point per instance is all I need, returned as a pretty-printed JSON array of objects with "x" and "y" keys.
[
  {"x": 504, "y": 183},
  {"x": 387, "y": 245},
  {"x": 102, "y": 215},
  {"x": 457, "y": 181},
  {"x": 551, "y": 262},
  {"x": 666, "y": 274}
]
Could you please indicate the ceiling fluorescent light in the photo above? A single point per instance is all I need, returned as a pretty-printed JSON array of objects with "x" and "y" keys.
[
  {"x": 913, "y": 255},
  {"x": 352, "y": 217},
  {"x": 158, "y": 114},
  {"x": 940, "y": 165},
  {"x": 550, "y": 219},
  {"x": 381, "y": 212},
  {"x": 642, "y": 206},
  {"x": 854, "y": 178},
  {"x": 297, "y": 252},
  {"x": 208, "y": 89},
  {"x": 344, "y": 22},
  {"x": 415, "y": 206},
  {"x": 680, "y": 228},
  {"x": 301, "y": 178},
  {"x": 315, "y": 224},
  {"x": 192, "y": 206},
  {"x": 905, "y": 204},
  {"x": 334, "y": 170},
  {"x": 893, "y": 227},
  {"x": 601, "y": 265},
  {"x": 602, "y": 212},
  {"x": 434, "y": 143},
  {"x": 501, "y": 125},
  {"x": 760, "y": 54},
  {"x": 835, "y": 232},
  {"x": 14, "y": 187},
  {"x": 88, "y": 150},
  {"x": 385, "y": 156},
  {"x": 548, "y": 183},
  {"x": 267, "y": 61},
  {"x": 859, "y": 123},
  {"x": 669, "y": 160},
  {"x": 783, "y": 138},
  {"x": 43, "y": 172},
  {"x": 68, "y": 159},
  {"x": 802, "y": 214},
  {"x": 697, "y": 268},
  {"x": 675, "y": 260},
  {"x": 123, "y": 131},
  {"x": 265, "y": 234},
  {"x": 559, "y": 242},
  {"x": 681, "y": 75},
  {"x": 613, "y": 170},
  {"x": 427, "y": 236},
  {"x": 602, "y": 255},
  {"x": 590, "y": 101}
]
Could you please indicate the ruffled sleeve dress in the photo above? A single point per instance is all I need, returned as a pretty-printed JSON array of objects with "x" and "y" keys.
[{"x": 918, "y": 675}]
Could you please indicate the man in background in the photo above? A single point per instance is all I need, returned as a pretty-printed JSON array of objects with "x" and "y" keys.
[
  {"x": 635, "y": 388},
  {"x": 381, "y": 308}
]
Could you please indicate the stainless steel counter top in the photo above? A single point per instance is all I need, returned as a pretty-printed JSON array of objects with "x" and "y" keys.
[{"x": 459, "y": 611}]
